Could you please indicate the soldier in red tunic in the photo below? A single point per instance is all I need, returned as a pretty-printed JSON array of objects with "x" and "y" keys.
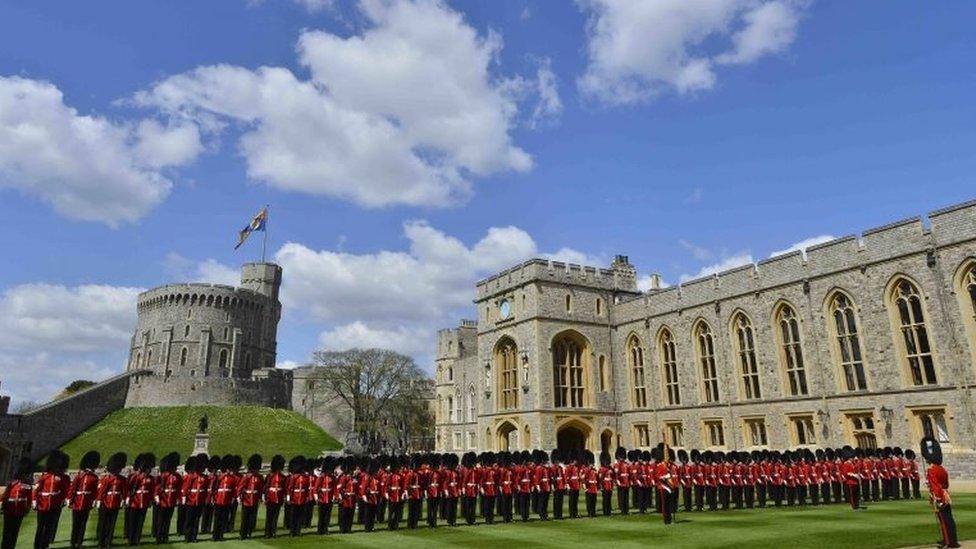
[
  {"x": 249, "y": 492},
  {"x": 505, "y": 480},
  {"x": 937, "y": 479},
  {"x": 225, "y": 491},
  {"x": 296, "y": 495},
  {"x": 196, "y": 490},
  {"x": 557, "y": 474},
  {"x": 488, "y": 487},
  {"x": 664, "y": 481},
  {"x": 347, "y": 491},
  {"x": 590, "y": 479},
  {"x": 167, "y": 496},
  {"x": 109, "y": 498},
  {"x": 142, "y": 487},
  {"x": 274, "y": 495},
  {"x": 912, "y": 468},
  {"x": 81, "y": 496},
  {"x": 607, "y": 482},
  {"x": 49, "y": 495},
  {"x": 395, "y": 491},
  {"x": 523, "y": 479},
  {"x": 209, "y": 472},
  {"x": 451, "y": 490},
  {"x": 432, "y": 488},
  {"x": 851, "y": 473},
  {"x": 621, "y": 475},
  {"x": 413, "y": 482},
  {"x": 573, "y": 482},
  {"x": 15, "y": 503},
  {"x": 324, "y": 493}
]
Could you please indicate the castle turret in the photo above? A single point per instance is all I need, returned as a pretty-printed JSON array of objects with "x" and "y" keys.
[{"x": 263, "y": 278}]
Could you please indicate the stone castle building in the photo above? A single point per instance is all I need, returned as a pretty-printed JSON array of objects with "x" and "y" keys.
[
  {"x": 210, "y": 344},
  {"x": 866, "y": 340}
]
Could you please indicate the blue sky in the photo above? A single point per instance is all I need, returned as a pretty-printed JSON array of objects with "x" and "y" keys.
[{"x": 408, "y": 148}]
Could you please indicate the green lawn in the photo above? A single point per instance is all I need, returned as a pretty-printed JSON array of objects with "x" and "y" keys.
[
  {"x": 881, "y": 525},
  {"x": 233, "y": 430}
]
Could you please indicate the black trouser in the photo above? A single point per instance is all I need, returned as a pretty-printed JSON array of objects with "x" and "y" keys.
[
  {"x": 906, "y": 491},
  {"x": 346, "y": 516},
  {"x": 686, "y": 497},
  {"x": 105, "y": 528},
  {"x": 432, "y": 506},
  {"x": 137, "y": 520},
  {"x": 307, "y": 513},
  {"x": 865, "y": 490},
  {"x": 749, "y": 490},
  {"x": 221, "y": 521},
  {"x": 325, "y": 517},
  {"x": 875, "y": 489},
  {"x": 505, "y": 506},
  {"x": 607, "y": 500},
  {"x": 590, "y": 505},
  {"x": 450, "y": 510},
  {"x": 737, "y": 496},
  {"x": 271, "y": 512},
  {"x": 762, "y": 491},
  {"x": 206, "y": 518},
  {"x": 947, "y": 525},
  {"x": 622, "y": 501},
  {"x": 249, "y": 520},
  {"x": 838, "y": 490},
  {"x": 557, "y": 503},
  {"x": 79, "y": 524},
  {"x": 47, "y": 528},
  {"x": 667, "y": 505},
  {"x": 699, "y": 497},
  {"x": 488, "y": 508},
  {"x": 395, "y": 509},
  {"x": 915, "y": 492},
  {"x": 469, "y": 508},
  {"x": 524, "y": 498},
  {"x": 642, "y": 499},
  {"x": 191, "y": 528},
  {"x": 711, "y": 493},
  {"x": 825, "y": 492},
  {"x": 414, "y": 509},
  {"x": 723, "y": 496},
  {"x": 11, "y": 531},
  {"x": 544, "y": 505},
  {"x": 573, "y": 503},
  {"x": 295, "y": 517},
  {"x": 776, "y": 491},
  {"x": 853, "y": 496},
  {"x": 163, "y": 518},
  {"x": 380, "y": 511},
  {"x": 369, "y": 516},
  {"x": 180, "y": 519}
]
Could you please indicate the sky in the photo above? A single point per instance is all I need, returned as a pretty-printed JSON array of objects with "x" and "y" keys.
[{"x": 408, "y": 148}]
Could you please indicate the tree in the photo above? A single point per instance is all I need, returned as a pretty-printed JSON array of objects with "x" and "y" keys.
[{"x": 383, "y": 389}]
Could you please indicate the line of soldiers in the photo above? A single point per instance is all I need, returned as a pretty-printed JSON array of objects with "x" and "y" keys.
[{"x": 206, "y": 495}]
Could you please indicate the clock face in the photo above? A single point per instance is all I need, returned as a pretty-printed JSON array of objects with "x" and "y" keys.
[{"x": 505, "y": 308}]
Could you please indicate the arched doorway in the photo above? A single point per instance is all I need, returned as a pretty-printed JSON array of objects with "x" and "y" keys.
[
  {"x": 507, "y": 437},
  {"x": 606, "y": 441},
  {"x": 573, "y": 435}
]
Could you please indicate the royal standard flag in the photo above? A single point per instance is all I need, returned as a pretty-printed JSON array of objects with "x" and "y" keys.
[{"x": 256, "y": 224}]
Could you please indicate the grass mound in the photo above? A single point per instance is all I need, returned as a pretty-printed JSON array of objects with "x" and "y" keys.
[{"x": 239, "y": 430}]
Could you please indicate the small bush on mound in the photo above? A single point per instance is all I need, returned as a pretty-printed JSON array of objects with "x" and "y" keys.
[{"x": 239, "y": 430}]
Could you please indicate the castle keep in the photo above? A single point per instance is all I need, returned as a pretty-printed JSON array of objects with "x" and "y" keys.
[
  {"x": 210, "y": 344},
  {"x": 866, "y": 340}
]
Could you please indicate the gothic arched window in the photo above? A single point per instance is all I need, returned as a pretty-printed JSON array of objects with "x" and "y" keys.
[
  {"x": 913, "y": 339},
  {"x": 569, "y": 355},
  {"x": 506, "y": 363},
  {"x": 705, "y": 349},
  {"x": 744, "y": 339},
  {"x": 635, "y": 356},
  {"x": 791, "y": 350},
  {"x": 669, "y": 367},
  {"x": 847, "y": 341}
]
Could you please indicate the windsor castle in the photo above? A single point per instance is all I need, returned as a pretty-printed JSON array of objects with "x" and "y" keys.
[{"x": 868, "y": 340}]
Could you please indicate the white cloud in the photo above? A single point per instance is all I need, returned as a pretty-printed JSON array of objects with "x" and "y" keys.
[
  {"x": 569, "y": 255},
  {"x": 315, "y": 6},
  {"x": 637, "y": 49},
  {"x": 549, "y": 106},
  {"x": 804, "y": 244},
  {"x": 82, "y": 332},
  {"x": 729, "y": 262},
  {"x": 86, "y": 167},
  {"x": 646, "y": 282},
  {"x": 416, "y": 342},
  {"x": 698, "y": 252},
  {"x": 210, "y": 270},
  {"x": 289, "y": 364},
  {"x": 405, "y": 112}
]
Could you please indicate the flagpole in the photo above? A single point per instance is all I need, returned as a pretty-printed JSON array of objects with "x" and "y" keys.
[{"x": 264, "y": 244}]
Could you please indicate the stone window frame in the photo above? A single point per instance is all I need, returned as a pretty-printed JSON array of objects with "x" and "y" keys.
[
  {"x": 602, "y": 370},
  {"x": 808, "y": 420},
  {"x": 599, "y": 306},
  {"x": 571, "y": 380},
  {"x": 837, "y": 353},
  {"x": 642, "y": 435},
  {"x": 451, "y": 417},
  {"x": 853, "y": 429},
  {"x": 745, "y": 360},
  {"x": 711, "y": 427},
  {"x": 915, "y": 415},
  {"x": 472, "y": 411},
  {"x": 750, "y": 431},
  {"x": 184, "y": 355},
  {"x": 965, "y": 282},
  {"x": 787, "y": 323},
  {"x": 674, "y": 433},
  {"x": 668, "y": 358},
  {"x": 637, "y": 368},
  {"x": 706, "y": 364},
  {"x": 913, "y": 329},
  {"x": 507, "y": 376}
]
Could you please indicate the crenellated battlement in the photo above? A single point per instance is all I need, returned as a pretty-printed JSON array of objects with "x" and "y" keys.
[{"x": 621, "y": 277}]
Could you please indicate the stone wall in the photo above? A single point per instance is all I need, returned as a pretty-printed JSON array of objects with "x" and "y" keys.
[
  {"x": 271, "y": 388},
  {"x": 546, "y": 300}
]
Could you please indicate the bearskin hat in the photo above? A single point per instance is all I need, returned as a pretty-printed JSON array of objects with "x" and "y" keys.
[
  {"x": 116, "y": 463},
  {"x": 25, "y": 468},
  {"x": 605, "y": 458},
  {"x": 90, "y": 460},
  {"x": 931, "y": 451},
  {"x": 621, "y": 453},
  {"x": 170, "y": 462},
  {"x": 683, "y": 456},
  {"x": 148, "y": 462},
  {"x": 910, "y": 454},
  {"x": 277, "y": 463}
]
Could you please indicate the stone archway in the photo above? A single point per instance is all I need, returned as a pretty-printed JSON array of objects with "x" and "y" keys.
[
  {"x": 606, "y": 441},
  {"x": 507, "y": 437},
  {"x": 573, "y": 435}
]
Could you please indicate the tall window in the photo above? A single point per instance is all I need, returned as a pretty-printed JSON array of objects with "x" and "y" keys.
[
  {"x": 669, "y": 365},
  {"x": 755, "y": 432},
  {"x": 458, "y": 407},
  {"x": 450, "y": 410},
  {"x": 791, "y": 352},
  {"x": 642, "y": 435},
  {"x": 705, "y": 346},
  {"x": 861, "y": 426},
  {"x": 599, "y": 307},
  {"x": 914, "y": 342},
  {"x": 635, "y": 353},
  {"x": 745, "y": 346},
  {"x": 222, "y": 361},
  {"x": 472, "y": 405},
  {"x": 801, "y": 429},
  {"x": 848, "y": 344},
  {"x": 568, "y": 371},
  {"x": 932, "y": 423},
  {"x": 674, "y": 433},
  {"x": 506, "y": 362},
  {"x": 714, "y": 433},
  {"x": 604, "y": 382},
  {"x": 966, "y": 293},
  {"x": 183, "y": 353}
]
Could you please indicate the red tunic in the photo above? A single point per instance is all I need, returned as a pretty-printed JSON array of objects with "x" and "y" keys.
[
  {"x": 141, "y": 491},
  {"x": 449, "y": 482},
  {"x": 469, "y": 481},
  {"x": 413, "y": 484},
  {"x": 168, "y": 488},
  {"x": 225, "y": 489},
  {"x": 274, "y": 488},
  {"x": 50, "y": 491},
  {"x": 348, "y": 491},
  {"x": 16, "y": 500},
  {"x": 572, "y": 477},
  {"x": 558, "y": 475},
  {"x": 938, "y": 480},
  {"x": 664, "y": 480},
  {"x": 621, "y": 472},
  {"x": 249, "y": 489},
  {"x": 323, "y": 489},
  {"x": 196, "y": 489},
  {"x": 432, "y": 484},
  {"x": 394, "y": 487},
  {"x": 540, "y": 479},
  {"x": 297, "y": 487},
  {"x": 851, "y": 473},
  {"x": 606, "y": 479},
  {"x": 489, "y": 482},
  {"x": 591, "y": 479},
  {"x": 111, "y": 491},
  {"x": 81, "y": 493}
]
